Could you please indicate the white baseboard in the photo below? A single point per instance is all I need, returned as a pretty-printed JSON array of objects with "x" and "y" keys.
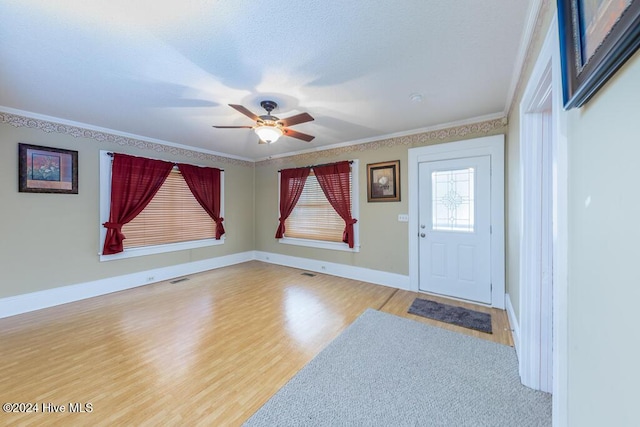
[
  {"x": 18, "y": 304},
  {"x": 513, "y": 321},
  {"x": 10, "y": 306},
  {"x": 378, "y": 277}
]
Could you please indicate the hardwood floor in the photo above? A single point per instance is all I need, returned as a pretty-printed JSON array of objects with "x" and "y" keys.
[{"x": 207, "y": 351}]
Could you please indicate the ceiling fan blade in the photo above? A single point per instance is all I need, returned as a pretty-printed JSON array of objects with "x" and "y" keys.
[
  {"x": 233, "y": 127},
  {"x": 297, "y": 119},
  {"x": 242, "y": 109},
  {"x": 299, "y": 135}
]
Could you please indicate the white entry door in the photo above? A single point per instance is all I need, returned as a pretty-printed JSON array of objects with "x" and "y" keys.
[{"x": 455, "y": 228}]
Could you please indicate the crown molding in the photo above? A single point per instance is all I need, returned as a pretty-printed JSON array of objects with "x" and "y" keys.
[
  {"x": 48, "y": 124},
  {"x": 533, "y": 32},
  {"x": 487, "y": 127},
  {"x": 441, "y": 126},
  {"x": 523, "y": 49}
]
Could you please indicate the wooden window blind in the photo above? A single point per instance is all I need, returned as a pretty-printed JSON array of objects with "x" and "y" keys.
[
  {"x": 173, "y": 215},
  {"x": 313, "y": 217}
]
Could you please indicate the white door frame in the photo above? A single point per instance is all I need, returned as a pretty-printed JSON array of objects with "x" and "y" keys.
[
  {"x": 492, "y": 146},
  {"x": 545, "y": 83}
]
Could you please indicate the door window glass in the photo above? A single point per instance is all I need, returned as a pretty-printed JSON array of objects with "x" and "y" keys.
[{"x": 453, "y": 200}]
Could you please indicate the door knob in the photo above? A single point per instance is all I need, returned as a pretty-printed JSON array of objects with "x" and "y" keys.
[{"x": 422, "y": 234}]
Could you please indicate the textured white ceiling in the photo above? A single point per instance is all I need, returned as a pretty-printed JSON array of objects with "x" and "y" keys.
[{"x": 166, "y": 69}]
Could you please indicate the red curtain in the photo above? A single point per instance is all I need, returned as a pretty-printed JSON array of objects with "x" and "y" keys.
[
  {"x": 334, "y": 181},
  {"x": 204, "y": 183},
  {"x": 291, "y": 184},
  {"x": 134, "y": 182}
]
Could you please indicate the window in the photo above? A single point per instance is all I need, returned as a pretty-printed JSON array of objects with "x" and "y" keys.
[
  {"x": 173, "y": 220},
  {"x": 313, "y": 217},
  {"x": 173, "y": 215},
  {"x": 315, "y": 223}
]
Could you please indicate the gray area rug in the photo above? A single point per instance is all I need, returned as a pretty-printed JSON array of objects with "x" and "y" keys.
[
  {"x": 455, "y": 315},
  {"x": 384, "y": 370}
]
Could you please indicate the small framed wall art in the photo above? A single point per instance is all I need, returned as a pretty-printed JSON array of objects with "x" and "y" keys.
[
  {"x": 47, "y": 170},
  {"x": 383, "y": 181}
]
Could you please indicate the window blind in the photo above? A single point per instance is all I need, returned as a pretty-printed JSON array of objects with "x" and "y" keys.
[
  {"x": 313, "y": 217},
  {"x": 173, "y": 215}
]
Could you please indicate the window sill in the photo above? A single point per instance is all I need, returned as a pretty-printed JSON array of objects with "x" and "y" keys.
[
  {"x": 335, "y": 246},
  {"x": 152, "y": 250}
]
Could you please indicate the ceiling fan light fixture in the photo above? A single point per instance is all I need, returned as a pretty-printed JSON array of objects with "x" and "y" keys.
[{"x": 268, "y": 134}]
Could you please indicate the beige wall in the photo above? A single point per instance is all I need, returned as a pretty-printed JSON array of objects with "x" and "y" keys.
[
  {"x": 51, "y": 240},
  {"x": 604, "y": 279}
]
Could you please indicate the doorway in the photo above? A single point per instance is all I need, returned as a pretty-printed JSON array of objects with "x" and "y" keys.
[
  {"x": 456, "y": 220},
  {"x": 542, "y": 344},
  {"x": 455, "y": 227}
]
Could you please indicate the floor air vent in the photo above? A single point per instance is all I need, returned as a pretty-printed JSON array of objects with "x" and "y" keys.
[
  {"x": 309, "y": 274},
  {"x": 183, "y": 279}
]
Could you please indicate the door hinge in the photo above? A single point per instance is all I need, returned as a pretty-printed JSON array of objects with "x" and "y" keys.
[{"x": 491, "y": 229}]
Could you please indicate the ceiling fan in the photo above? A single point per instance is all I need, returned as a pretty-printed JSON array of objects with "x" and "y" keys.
[{"x": 269, "y": 128}]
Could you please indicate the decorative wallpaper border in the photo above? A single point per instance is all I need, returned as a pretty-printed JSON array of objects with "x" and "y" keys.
[
  {"x": 480, "y": 128},
  {"x": 78, "y": 132}
]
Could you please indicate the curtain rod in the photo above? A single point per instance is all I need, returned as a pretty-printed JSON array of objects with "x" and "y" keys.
[
  {"x": 315, "y": 166},
  {"x": 110, "y": 154}
]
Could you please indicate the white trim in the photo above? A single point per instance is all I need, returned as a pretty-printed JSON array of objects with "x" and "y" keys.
[
  {"x": 513, "y": 322},
  {"x": 549, "y": 60},
  {"x": 560, "y": 242},
  {"x": 536, "y": 204},
  {"x": 377, "y": 277},
  {"x": 535, "y": 227},
  {"x": 159, "y": 249},
  {"x": 488, "y": 145},
  {"x": 18, "y": 304},
  {"x": 10, "y": 306},
  {"x": 333, "y": 246},
  {"x": 105, "y": 203}
]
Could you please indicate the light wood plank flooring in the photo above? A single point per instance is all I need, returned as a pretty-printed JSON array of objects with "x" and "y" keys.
[{"x": 207, "y": 351}]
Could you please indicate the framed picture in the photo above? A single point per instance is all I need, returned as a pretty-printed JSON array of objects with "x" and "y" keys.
[
  {"x": 383, "y": 182},
  {"x": 596, "y": 38},
  {"x": 47, "y": 170}
]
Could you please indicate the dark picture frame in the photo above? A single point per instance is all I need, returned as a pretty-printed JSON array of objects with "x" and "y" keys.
[
  {"x": 596, "y": 39},
  {"x": 383, "y": 181},
  {"x": 47, "y": 170}
]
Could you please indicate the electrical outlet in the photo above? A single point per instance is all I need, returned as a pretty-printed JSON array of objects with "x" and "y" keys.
[
  {"x": 151, "y": 279},
  {"x": 403, "y": 218}
]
